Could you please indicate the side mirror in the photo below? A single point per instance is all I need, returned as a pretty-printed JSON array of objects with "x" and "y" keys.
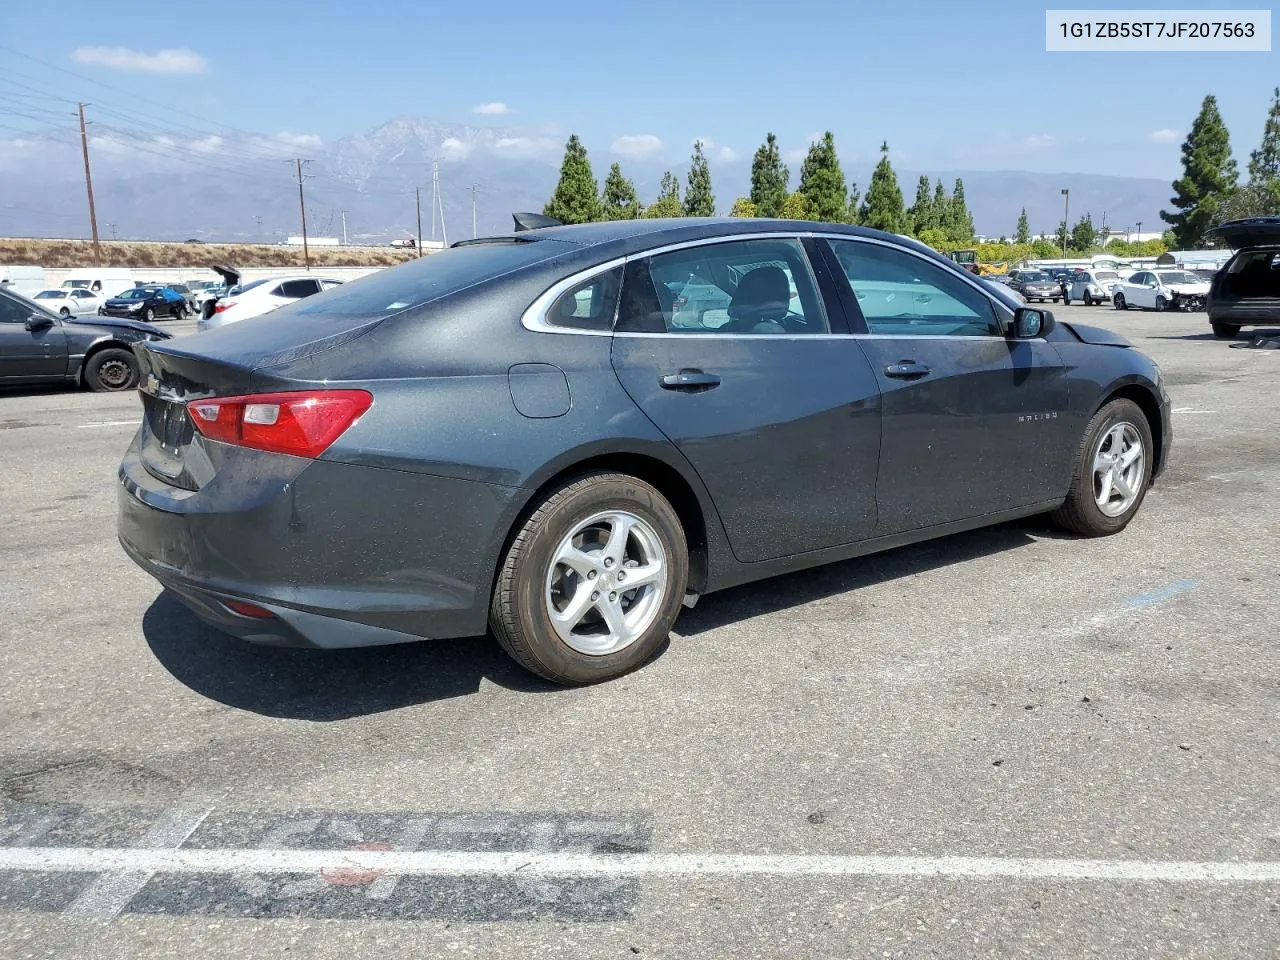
[
  {"x": 1028, "y": 324},
  {"x": 38, "y": 321}
]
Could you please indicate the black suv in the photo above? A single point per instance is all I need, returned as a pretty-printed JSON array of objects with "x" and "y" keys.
[
  {"x": 38, "y": 347},
  {"x": 1246, "y": 292}
]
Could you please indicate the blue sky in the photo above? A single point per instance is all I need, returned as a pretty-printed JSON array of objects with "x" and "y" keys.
[{"x": 949, "y": 85}]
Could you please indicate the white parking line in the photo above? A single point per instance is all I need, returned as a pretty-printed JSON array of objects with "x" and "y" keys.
[
  {"x": 107, "y": 423},
  {"x": 144, "y": 862},
  {"x": 111, "y": 892}
]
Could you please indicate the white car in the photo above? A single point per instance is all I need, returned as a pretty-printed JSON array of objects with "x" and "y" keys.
[
  {"x": 1093, "y": 286},
  {"x": 69, "y": 301},
  {"x": 1161, "y": 290},
  {"x": 262, "y": 296}
]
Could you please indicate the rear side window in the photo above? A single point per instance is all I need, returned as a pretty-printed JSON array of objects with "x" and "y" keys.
[
  {"x": 738, "y": 287},
  {"x": 590, "y": 305},
  {"x": 428, "y": 278},
  {"x": 297, "y": 289}
]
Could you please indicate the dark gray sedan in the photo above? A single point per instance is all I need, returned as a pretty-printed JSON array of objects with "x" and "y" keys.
[{"x": 565, "y": 433}]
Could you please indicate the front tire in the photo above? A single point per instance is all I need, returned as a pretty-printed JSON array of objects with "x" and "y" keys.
[
  {"x": 1113, "y": 472},
  {"x": 148, "y": 315},
  {"x": 111, "y": 370},
  {"x": 65, "y": 313},
  {"x": 1227, "y": 331},
  {"x": 593, "y": 581},
  {"x": 1162, "y": 304},
  {"x": 1120, "y": 303},
  {"x": 1088, "y": 299}
]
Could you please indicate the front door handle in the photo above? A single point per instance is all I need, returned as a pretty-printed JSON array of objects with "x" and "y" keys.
[
  {"x": 689, "y": 379},
  {"x": 906, "y": 370}
]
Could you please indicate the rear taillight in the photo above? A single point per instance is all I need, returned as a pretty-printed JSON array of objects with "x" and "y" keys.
[
  {"x": 301, "y": 424},
  {"x": 248, "y": 609},
  {"x": 223, "y": 305}
]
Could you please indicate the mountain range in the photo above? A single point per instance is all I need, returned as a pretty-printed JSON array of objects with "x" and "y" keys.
[{"x": 242, "y": 186}]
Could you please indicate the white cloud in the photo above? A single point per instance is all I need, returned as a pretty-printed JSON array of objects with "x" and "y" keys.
[
  {"x": 209, "y": 144},
  {"x": 162, "y": 61},
  {"x": 454, "y": 149},
  {"x": 297, "y": 139},
  {"x": 495, "y": 109},
  {"x": 796, "y": 155},
  {"x": 727, "y": 155},
  {"x": 107, "y": 145},
  {"x": 1038, "y": 141},
  {"x": 637, "y": 145},
  {"x": 525, "y": 146},
  {"x": 1164, "y": 136},
  {"x": 165, "y": 141}
]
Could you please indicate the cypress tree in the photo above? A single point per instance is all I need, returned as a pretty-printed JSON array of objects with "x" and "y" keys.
[
  {"x": 822, "y": 182},
  {"x": 668, "y": 203},
  {"x": 1023, "y": 234},
  {"x": 1208, "y": 177},
  {"x": 921, "y": 213},
  {"x": 1264, "y": 166},
  {"x": 959, "y": 222},
  {"x": 619, "y": 201},
  {"x": 883, "y": 209},
  {"x": 769, "y": 178},
  {"x": 854, "y": 215},
  {"x": 576, "y": 199},
  {"x": 699, "y": 201}
]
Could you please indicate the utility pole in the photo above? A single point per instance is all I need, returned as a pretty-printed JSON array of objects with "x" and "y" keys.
[
  {"x": 1066, "y": 219},
  {"x": 474, "y": 188},
  {"x": 344, "y": 228},
  {"x": 1139, "y": 231},
  {"x": 258, "y": 220},
  {"x": 88, "y": 183},
  {"x": 435, "y": 191},
  {"x": 417, "y": 197},
  {"x": 302, "y": 204},
  {"x": 112, "y": 228}
]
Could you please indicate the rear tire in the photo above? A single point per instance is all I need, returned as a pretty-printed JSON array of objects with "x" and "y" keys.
[
  {"x": 180, "y": 313},
  {"x": 1118, "y": 422},
  {"x": 111, "y": 370},
  {"x": 565, "y": 549},
  {"x": 1227, "y": 331},
  {"x": 1120, "y": 303},
  {"x": 64, "y": 313}
]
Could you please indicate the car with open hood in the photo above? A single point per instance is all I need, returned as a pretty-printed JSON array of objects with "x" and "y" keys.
[
  {"x": 1161, "y": 288},
  {"x": 1246, "y": 291},
  {"x": 566, "y": 433},
  {"x": 38, "y": 346}
]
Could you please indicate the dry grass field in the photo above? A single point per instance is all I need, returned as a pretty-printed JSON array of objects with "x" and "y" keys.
[{"x": 124, "y": 253}]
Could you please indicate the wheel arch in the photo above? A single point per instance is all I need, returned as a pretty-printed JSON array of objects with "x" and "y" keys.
[
  {"x": 105, "y": 343},
  {"x": 692, "y": 505},
  {"x": 1148, "y": 402}
]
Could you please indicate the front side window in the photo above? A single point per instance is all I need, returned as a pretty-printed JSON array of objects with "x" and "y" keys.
[
  {"x": 590, "y": 305},
  {"x": 901, "y": 294},
  {"x": 13, "y": 311},
  {"x": 760, "y": 286}
]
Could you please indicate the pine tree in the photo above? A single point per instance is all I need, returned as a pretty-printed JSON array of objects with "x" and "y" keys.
[
  {"x": 822, "y": 182},
  {"x": 958, "y": 221},
  {"x": 1024, "y": 228},
  {"x": 921, "y": 213},
  {"x": 883, "y": 209},
  {"x": 699, "y": 201},
  {"x": 1062, "y": 237},
  {"x": 1264, "y": 166},
  {"x": 668, "y": 203},
  {"x": 941, "y": 202},
  {"x": 769, "y": 178},
  {"x": 854, "y": 215},
  {"x": 1083, "y": 234},
  {"x": 576, "y": 199},
  {"x": 795, "y": 207},
  {"x": 619, "y": 201},
  {"x": 744, "y": 207},
  {"x": 1208, "y": 177}
]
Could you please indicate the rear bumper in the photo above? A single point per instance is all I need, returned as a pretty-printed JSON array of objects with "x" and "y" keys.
[
  {"x": 1244, "y": 313},
  {"x": 340, "y": 555}
]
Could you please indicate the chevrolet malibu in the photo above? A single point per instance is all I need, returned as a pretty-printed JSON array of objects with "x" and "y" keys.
[{"x": 541, "y": 433}]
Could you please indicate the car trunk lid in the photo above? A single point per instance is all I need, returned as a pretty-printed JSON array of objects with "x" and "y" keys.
[{"x": 1251, "y": 232}]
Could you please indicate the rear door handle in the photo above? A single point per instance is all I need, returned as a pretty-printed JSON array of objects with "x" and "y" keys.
[
  {"x": 906, "y": 370},
  {"x": 692, "y": 380}
]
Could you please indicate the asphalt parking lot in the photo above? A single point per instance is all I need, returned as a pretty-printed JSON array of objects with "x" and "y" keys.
[{"x": 1010, "y": 742}]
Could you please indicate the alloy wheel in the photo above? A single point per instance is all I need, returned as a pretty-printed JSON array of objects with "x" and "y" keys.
[
  {"x": 606, "y": 583},
  {"x": 1119, "y": 463}
]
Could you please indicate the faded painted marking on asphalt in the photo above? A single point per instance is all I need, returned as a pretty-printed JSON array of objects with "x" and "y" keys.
[
  {"x": 111, "y": 892},
  {"x": 566, "y": 864},
  {"x": 107, "y": 423},
  {"x": 1162, "y": 593}
]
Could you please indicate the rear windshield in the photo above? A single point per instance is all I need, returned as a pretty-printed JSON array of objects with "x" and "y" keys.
[
  {"x": 436, "y": 275},
  {"x": 234, "y": 291},
  {"x": 1033, "y": 277},
  {"x": 1106, "y": 275}
]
